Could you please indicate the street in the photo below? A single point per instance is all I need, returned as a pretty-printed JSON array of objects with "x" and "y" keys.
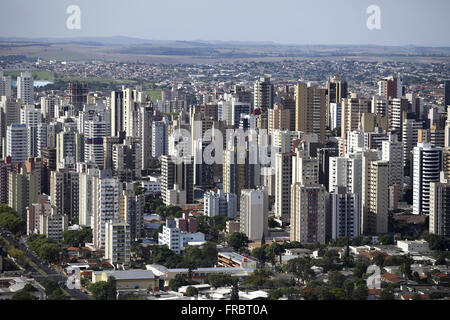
[{"x": 50, "y": 273}]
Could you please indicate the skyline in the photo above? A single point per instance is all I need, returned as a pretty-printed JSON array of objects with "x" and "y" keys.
[{"x": 149, "y": 21}]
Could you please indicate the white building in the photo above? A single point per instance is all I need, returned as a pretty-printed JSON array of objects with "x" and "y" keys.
[
  {"x": 283, "y": 140},
  {"x": 170, "y": 236},
  {"x": 152, "y": 185},
  {"x": 308, "y": 213},
  {"x": 117, "y": 242},
  {"x": 160, "y": 145},
  {"x": 94, "y": 132},
  {"x": 428, "y": 163},
  {"x": 419, "y": 246},
  {"x": 25, "y": 88},
  {"x": 46, "y": 137},
  {"x": 85, "y": 189},
  {"x": 17, "y": 142},
  {"x": 49, "y": 105},
  {"x": 254, "y": 213},
  {"x": 375, "y": 194},
  {"x": 283, "y": 181},
  {"x": 106, "y": 206},
  {"x": 220, "y": 204},
  {"x": 346, "y": 172},
  {"x": 393, "y": 153},
  {"x": 439, "y": 207},
  {"x": 335, "y": 115},
  {"x": 5, "y": 85},
  {"x": 31, "y": 117},
  {"x": 410, "y": 133},
  {"x": 345, "y": 214}
]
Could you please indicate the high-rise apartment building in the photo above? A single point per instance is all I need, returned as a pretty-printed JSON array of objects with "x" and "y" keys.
[
  {"x": 25, "y": 88},
  {"x": 117, "y": 242},
  {"x": 393, "y": 153},
  {"x": 31, "y": 117},
  {"x": 17, "y": 142},
  {"x": 106, "y": 191},
  {"x": 160, "y": 138},
  {"x": 310, "y": 110},
  {"x": 375, "y": 194},
  {"x": 337, "y": 89},
  {"x": 308, "y": 213},
  {"x": 254, "y": 214},
  {"x": 283, "y": 181},
  {"x": 78, "y": 92},
  {"x": 427, "y": 166},
  {"x": 440, "y": 207},
  {"x": 345, "y": 214},
  {"x": 220, "y": 204},
  {"x": 5, "y": 85},
  {"x": 177, "y": 175},
  {"x": 263, "y": 93}
]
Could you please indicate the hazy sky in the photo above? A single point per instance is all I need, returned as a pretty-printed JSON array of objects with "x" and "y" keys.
[{"x": 418, "y": 22}]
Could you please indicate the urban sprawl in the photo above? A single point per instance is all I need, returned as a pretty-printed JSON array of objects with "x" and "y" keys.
[{"x": 133, "y": 181}]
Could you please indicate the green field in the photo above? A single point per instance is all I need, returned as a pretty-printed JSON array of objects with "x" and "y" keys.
[
  {"x": 96, "y": 80},
  {"x": 37, "y": 75},
  {"x": 154, "y": 94}
]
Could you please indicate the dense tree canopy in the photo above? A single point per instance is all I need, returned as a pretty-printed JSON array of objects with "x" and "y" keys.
[
  {"x": 237, "y": 241},
  {"x": 169, "y": 211},
  {"x": 46, "y": 248},
  {"x": 104, "y": 290},
  {"x": 10, "y": 221},
  {"x": 75, "y": 238}
]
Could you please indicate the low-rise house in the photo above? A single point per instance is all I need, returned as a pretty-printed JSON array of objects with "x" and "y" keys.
[
  {"x": 129, "y": 279},
  {"x": 419, "y": 246},
  {"x": 392, "y": 278},
  {"x": 441, "y": 279},
  {"x": 233, "y": 259},
  {"x": 199, "y": 274},
  {"x": 12, "y": 285}
]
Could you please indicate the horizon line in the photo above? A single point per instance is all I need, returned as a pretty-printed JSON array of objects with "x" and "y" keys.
[{"x": 68, "y": 39}]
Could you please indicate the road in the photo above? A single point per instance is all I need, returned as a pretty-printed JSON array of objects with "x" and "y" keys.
[{"x": 43, "y": 271}]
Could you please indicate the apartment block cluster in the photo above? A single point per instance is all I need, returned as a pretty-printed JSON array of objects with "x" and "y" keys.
[{"x": 79, "y": 155}]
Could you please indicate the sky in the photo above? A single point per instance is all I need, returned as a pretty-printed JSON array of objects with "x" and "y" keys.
[{"x": 332, "y": 22}]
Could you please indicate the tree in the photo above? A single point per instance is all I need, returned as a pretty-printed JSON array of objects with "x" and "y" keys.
[
  {"x": 177, "y": 282},
  {"x": 301, "y": 268},
  {"x": 219, "y": 280},
  {"x": 360, "y": 269},
  {"x": 379, "y": 260},
  {"x": 273, "y": 223},
  {"x": 335, "y": 279},
  {"x": 237, "y": 241},
  {"x": 235, "y": 290},
  {"x": 111, "y": 288},
  {"x": 191, "y": 291},
  {"x": 169, "y": 211},
  {"x": 349, "y": 288},
  {"x": 99, "y": 290},
  {"x": 405, "y": 267},
  {"x": 50, "y": 286},
  {"x": 75, "y": 238},
  {"x": 386, "y": 239},
  {"x": 209, "y": 254},
  {"x": 104, "y": 290},
  {"x": 23, "y": 295},
  {"x": 260, "y": 254},
  {"x": 387, "y": 294},
  {"x": 57, "y": 294},
  {"x": 360, "y": 293},
  {"x": 163, "y": 255},
  {"x": 49, "y": 252},
  {"x": 10, "y": 221}
]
